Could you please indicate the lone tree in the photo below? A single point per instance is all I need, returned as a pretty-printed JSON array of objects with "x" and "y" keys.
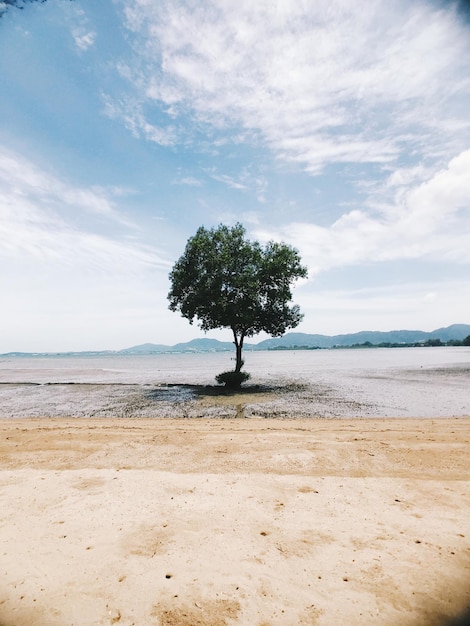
[{"x": 226, "y": 281}]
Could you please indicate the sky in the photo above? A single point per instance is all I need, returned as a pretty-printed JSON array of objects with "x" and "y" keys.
[{"x": 127, "y": 124}]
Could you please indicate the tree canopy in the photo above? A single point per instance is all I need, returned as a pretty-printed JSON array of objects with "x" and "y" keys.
[
  {"x": 223, "y": 280},
  {"x": 17, "y": 4}
]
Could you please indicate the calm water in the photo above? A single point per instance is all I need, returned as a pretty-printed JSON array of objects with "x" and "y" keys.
[
  {"x": 302, "y": 365},
  {"x": 421, "y": 382},
  {"x": 306, "y": 365}
]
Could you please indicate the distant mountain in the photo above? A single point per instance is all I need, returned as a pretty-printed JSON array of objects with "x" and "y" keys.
[
  {"x": 296, "y": 339},
  {"x": 290, "y": 340},
  {"x": 305, "y": 340},
  {"x": 456, "y": 331},
  {"x": 146, "y": 348},
  {"x": 195, "y": 345},
  {"x": 326, "y": 341},
  {"x": 203, "y": 345}
]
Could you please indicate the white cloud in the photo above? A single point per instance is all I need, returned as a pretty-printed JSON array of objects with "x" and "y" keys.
[
  {"x": 83, "y": 40},
  {"x": 402, "y": 176},
  {"x": 431, "y": 296},
  {"x": 44, "y": 218},
  {"x": 390, "y": 307},
  {"x": 67, "y": 284},
  {"x": 190, "y": 181},
  {"x": 428, "y": 221},
  {"x": 82, "y": 34},
  {"x": 25, "y": 180},
  {"x": 321, "y": 82},
  {"x": 227, "y": 180},
  {"x": 130, "y": 112}
]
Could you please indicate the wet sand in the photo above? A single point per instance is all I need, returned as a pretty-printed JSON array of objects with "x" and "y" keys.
[
  {"x": 402, "y": 382},
  {"x": 234, "y": 521}
]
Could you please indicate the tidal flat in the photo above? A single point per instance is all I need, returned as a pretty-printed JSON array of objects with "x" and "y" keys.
[{"x": 414, "y": 382}]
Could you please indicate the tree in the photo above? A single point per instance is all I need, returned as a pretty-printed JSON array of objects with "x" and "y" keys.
[
  {"x": 466, "y": 341},
  {"x": 226, "y": 281},
  {"x": 17, "y": 4}
]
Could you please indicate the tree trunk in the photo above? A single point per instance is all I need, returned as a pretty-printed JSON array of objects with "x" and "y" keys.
[{"x": 238, "y": 347}]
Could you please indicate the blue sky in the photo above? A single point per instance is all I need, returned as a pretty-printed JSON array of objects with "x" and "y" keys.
[{"x": 125, "y": 125}]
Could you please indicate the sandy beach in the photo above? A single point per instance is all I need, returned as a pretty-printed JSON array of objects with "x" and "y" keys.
[{"x": 234, "y": 521}]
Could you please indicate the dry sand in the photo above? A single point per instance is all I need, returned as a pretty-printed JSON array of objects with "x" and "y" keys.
[{"x": 216, "y": 522}]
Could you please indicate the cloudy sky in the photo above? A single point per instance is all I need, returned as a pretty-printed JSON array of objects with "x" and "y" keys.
[{"x": 127, "y": 124}]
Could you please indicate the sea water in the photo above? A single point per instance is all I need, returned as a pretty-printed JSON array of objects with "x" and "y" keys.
[
  {"x": 200, "y": 368},
  {"x": 428, "y": 381}
]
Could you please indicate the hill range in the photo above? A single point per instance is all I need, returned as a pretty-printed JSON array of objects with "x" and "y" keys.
[
  {"x": 289, "y": 341},
  {"x": 456, "y": 332}
]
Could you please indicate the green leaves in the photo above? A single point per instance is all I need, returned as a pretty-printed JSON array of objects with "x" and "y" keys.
[
  {"x": 232, "y": 380},
  {"x": 223, "y": 280},
  {"x": 17, "y": 4}
]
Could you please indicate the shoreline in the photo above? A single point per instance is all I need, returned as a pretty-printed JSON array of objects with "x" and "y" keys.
[
  {"x": 279, "y": 522},
  {"x": 371, "y": 383}
]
